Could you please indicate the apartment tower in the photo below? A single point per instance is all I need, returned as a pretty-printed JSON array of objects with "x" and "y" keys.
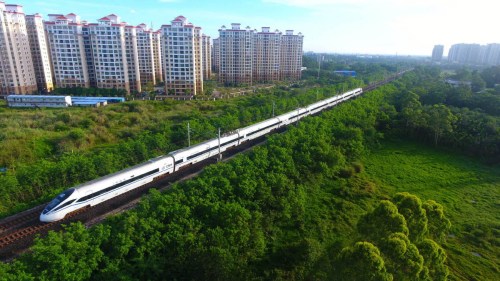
[
  {"x": 67, "y": 51},
  {"x": 437, "y": 52},
  {"x": 216, "y": 55},
  {"x": 291, "y": 56},
  {"x": 236, "y": 47},
  {"x": 267, "y": 54},
  {"x": 17, "y": 75},
  {"x": 182, "y": 57},
  {"x": 145, "y": 48},
  {"x": 132, "y": 55},
  {"x": 207, "y": 57},
  {"x": 109, "y": 53},
  {"x": 40, "y": 53},
  {"x": 157, "y": 56}
]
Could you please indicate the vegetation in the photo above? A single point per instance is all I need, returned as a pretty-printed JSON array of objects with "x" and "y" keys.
[
  {"x": 48, "y": 150},
  {"x": 375, "y": 189}
]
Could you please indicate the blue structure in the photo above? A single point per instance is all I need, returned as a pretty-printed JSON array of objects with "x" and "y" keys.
[
  {"x": 95, "y": 101},
  {"x": 346, "y": 73}
]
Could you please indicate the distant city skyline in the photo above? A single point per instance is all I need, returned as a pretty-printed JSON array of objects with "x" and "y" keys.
[{"x": 338, "y": 26}]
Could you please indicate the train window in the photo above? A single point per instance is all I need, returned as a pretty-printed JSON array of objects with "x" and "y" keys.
[
  {"x": 60, "y": 198},
  {"x": 64, "y": 205}
]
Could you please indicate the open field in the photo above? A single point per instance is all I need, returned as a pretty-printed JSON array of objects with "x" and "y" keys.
[{"x": 469, "y": 191}]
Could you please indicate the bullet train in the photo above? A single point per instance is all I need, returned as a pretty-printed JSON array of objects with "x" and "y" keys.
[{"x": 105, "y": 188}]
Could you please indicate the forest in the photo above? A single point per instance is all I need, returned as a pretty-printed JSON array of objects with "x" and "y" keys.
[{"x": 307, "y": 205}]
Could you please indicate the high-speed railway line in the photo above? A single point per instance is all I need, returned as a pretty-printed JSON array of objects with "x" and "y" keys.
[{"x": 100, "y": 196}]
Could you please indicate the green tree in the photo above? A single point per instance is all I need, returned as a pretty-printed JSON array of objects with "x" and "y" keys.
[
  {"x": 434, "y": 260},
  {"x": 438, "y": 224},
  {"x": 382, "y": 221},
  {"x": 403, "y": 259},
  {"x": 363, "y": 261},
  {"x": 70, "y": 255},
  {"x": 410, "y": 206},
  {"x": 439, "y": 120}
]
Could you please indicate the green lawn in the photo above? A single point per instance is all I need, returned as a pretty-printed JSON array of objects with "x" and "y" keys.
[{"x": 469, "y": 191}]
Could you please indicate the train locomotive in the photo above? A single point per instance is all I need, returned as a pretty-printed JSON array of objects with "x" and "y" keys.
[{"x": 105, "y": 188}]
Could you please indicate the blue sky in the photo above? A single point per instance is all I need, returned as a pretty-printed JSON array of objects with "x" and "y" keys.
[{"x": 341, "y": 26}]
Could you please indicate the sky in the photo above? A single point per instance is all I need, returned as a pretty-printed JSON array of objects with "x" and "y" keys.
[{"x": 390, "y": 27}]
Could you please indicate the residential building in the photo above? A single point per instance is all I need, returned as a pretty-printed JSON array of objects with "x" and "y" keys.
[
  {"x": 216, "y": 55},
  {"x": 246, "y": 56},
  {"x": 17, "y": 75},
  {"x": 67, "y": 51},
  {"x": 291, "y": 56},
  {"x": 236, "y": 47},
  {"x": 182, "y": 57},
  {"x": 109, "y": 53},
  {"x": 267, "y": 55},
  {"x": 157, "y": 57},
  {"x": 145, "y": 48},
  {"x": 207, "y": 57},
  {"x": 132, "y": 55},
  {"x": 40, "y": 53},
  {"x": 437, "y": 53}
]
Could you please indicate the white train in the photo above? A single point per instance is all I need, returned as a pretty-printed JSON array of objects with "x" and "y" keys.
[{"x": 104, "y": 188}]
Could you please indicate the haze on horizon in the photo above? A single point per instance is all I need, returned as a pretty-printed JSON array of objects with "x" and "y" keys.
[{"x": 410, "y": 27}]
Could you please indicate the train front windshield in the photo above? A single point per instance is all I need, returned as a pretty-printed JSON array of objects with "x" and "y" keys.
[{"x": 60, "y": 198}]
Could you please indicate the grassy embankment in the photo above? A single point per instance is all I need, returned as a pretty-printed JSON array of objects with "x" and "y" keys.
[{"x": 469, "y": 191}]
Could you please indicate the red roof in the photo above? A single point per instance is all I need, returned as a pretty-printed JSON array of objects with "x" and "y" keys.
[
  {"x": 71, "y": 14},
  {"x": 62, "y": 18},
  {"x": 104, "y": 18}
]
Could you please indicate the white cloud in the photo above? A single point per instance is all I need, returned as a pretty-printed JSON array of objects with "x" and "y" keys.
[{"x": 133, "y": 11}]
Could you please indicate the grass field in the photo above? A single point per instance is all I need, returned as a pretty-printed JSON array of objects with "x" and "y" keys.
[{"x": 469, "y": 191}]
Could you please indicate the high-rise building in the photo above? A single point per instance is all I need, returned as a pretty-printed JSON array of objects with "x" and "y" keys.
[
  {"x": 216, "y": 55},
  {"x": 109, "y": 53},
  {"x": 182, "y": 57},
  {"x": 157, "y": 57},
  {"x": 267, "y": 55},
  {"x": 67, "y": 51},
  {"x": 145, "y": 47},
  {"x": 437, "y": 52},
  {"x": 245, "y": 56},
  {"x": 132, "y": 55},
  {"x": 40, "y": 53},
  {"x": 465, "y": 53},
  {"x": 236, "y": 54},
  {"x": 207, "y": 57},
  {"x": 291, "y": 56},
  {"x": 17, "y": 75}
]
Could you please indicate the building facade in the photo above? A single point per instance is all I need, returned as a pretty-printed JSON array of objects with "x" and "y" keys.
[
  {"x": 216, "y": 55},
  {"x": 67, "y": 51},
  {"x": 157, "y": 57},
  {"x": 437, "y": 53},
  {"x": 267, "y": 56},
  {"x": 291, "y": 56},
  {"x": 109, "y": 53},
  {"x": 236, "y": 55},
  {"x": 132, "y": 55},
  {"x": 207, "y": 57},
  {"x": 182, "y": 57},
  {"x": 145, "y": 48},
  {"x": 40, "y": 53},
  {"x": 246, "y": 56},
  {"x": 17, "y": 74}
]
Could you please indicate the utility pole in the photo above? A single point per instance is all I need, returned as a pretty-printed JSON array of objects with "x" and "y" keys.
[
  {"x": 274, "y": 104},
  {"x": 219, "y": 158},
  {"x": 189, "y": 136}
]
